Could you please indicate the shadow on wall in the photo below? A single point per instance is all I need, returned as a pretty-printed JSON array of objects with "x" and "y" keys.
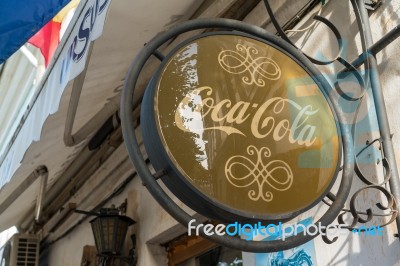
[{"x": 318, "y": 43}]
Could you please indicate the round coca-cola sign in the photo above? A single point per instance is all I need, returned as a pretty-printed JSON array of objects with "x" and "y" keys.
[{"x": 243, "y": 128}]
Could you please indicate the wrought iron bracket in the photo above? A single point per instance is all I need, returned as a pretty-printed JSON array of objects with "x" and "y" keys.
[
  {"x": 371, "y": 80},
  {"x": 350, "y": 165},
  {"x": 127, "y": 106},
  {"x": 372, "y": 4}
]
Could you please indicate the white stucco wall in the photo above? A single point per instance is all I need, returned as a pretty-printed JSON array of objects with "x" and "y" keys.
[
  {"x": 155, "y": 227},
  {"x": 353, "y": 249}
]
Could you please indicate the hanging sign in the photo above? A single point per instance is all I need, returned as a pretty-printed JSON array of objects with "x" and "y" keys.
[{"x": 242, "y": 128}]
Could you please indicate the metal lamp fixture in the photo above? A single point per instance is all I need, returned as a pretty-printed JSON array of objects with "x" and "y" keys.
[{"x": 109, "y": 231}]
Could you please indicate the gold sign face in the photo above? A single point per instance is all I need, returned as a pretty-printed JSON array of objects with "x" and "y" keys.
[{"x": 246, "y": 126}]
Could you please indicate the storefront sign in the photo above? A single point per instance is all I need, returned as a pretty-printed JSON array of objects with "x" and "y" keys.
[{"x": 243, "y": 129}]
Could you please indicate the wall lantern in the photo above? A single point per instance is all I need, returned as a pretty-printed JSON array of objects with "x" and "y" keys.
[{"x": 109, "y": 231}]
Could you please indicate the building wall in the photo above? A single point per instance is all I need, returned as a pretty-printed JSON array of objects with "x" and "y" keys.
[{"x": 155, "y": 227}]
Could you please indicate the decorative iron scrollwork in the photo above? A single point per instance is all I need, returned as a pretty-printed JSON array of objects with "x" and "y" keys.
[
  {"x": 252, "y": 67},
  {"x": 389, "y": 209},
  {"x": 385, "y": 164},
  {"x": 358, "y": 216},
  {"x": 364, "y": 82}
]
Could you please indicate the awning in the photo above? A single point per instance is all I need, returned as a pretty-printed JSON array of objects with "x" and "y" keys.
[
  {"x": 130, "y": 24},
  {"x": 69, "y": 61}
]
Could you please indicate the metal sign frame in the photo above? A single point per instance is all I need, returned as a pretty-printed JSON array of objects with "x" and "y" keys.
[
  {"x": 175, "y": 180},
  {"x": 350, "y": 165}
]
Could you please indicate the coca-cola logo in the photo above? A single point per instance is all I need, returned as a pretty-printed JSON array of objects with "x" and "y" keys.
[
  {"x": 246, "y": 125},
  {"x": 200, "y": 103}
]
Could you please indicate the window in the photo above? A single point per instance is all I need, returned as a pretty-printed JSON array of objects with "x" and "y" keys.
[{"x": 197, "y": 251}]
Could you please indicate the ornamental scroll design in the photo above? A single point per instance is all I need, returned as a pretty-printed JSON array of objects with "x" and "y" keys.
[
  {"x": 275, "y": 174},
  {"x": 244, "y": 61}
]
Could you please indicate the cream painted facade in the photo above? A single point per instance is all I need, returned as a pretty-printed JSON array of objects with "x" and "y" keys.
[{"x": 113, "y": 178}]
